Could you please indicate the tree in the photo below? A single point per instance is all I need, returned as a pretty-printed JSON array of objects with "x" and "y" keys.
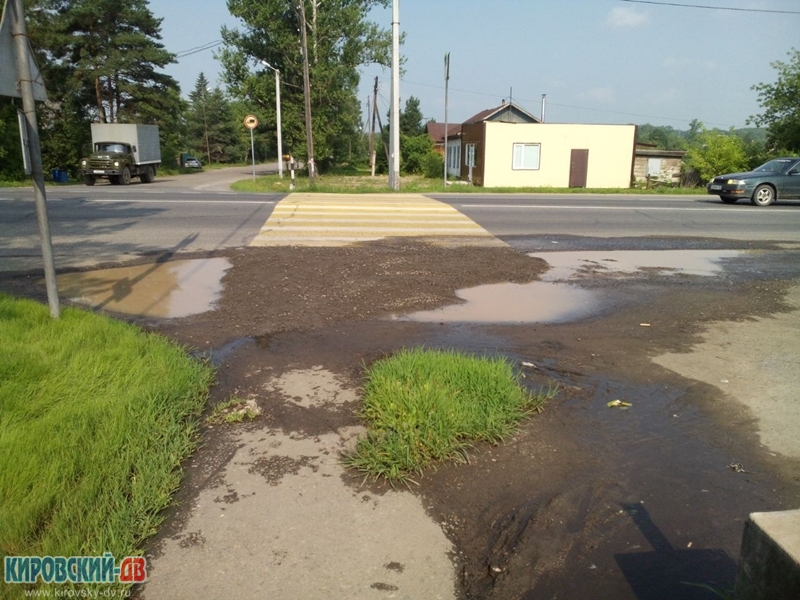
[
  {"x": 665, "y": 138},
  {"x": 101, "y": 61},
  {"x": 341, "y": 39},
  {"x": 210, "y": 122},
  {"x": 411, "y": 118},
  {"x": 781, "y": 106},
  {"x": 717, "y": 153}
]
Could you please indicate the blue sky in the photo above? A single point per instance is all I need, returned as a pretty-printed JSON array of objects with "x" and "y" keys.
[{"x": 598, "y": 61}]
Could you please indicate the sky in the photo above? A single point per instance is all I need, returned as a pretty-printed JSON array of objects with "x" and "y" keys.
[{"x": 597, "y": 61}]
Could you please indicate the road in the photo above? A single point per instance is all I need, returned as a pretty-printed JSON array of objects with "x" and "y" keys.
[
  {"x": 198, "y": 212},
  {"x": 609, "y": 216}
]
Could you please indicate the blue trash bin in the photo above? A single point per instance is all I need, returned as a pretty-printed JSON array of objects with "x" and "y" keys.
[
  {"x": 55, "y": 174},
  {"x": 63, "y": 177}
]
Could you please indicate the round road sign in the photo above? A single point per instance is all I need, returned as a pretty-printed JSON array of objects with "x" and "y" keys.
[{"x": 250, "y": 122}]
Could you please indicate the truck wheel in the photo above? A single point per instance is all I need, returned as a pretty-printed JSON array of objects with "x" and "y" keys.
[
  {"x": 125, "y": 176},
  {"x": 88, "y": 179},
  {"x": 147, "y": 175}
]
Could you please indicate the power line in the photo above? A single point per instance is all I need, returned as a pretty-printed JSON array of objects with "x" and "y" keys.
[
  {"x": 197, "y": 49},
  {"x": 549, "y": 103},
  {"x": 731, "y": 8}
]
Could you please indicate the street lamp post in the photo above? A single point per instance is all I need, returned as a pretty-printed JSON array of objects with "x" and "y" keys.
[{"x": 278, "y": 111}]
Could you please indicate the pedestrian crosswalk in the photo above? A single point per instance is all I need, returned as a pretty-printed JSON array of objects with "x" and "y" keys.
[{"x": 342, "y": 219}]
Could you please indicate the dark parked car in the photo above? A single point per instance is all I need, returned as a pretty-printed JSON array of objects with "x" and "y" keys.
[
  {"x": 192, "y": 163},
  {"x": 776, "y": 180}
]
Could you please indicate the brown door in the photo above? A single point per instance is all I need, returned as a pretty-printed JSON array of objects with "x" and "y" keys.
[{"x": 578, "y": 167}]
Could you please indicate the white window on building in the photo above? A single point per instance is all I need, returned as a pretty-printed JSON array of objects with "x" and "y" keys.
[
  {"x": 526, "y": 156},
  {"x": 470, "y": 159}
]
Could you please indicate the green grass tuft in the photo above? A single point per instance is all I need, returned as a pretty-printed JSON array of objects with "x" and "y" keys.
[
  {"x": 424, "y": 406},
  {"x": 95, "y": 419}
]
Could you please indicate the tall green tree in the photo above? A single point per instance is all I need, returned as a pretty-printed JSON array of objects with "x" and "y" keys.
[
  {"x": 780, "y": 102},
  {"x": 113, "y": 48},
  {"x": 411, "y": 118},
  {"x": 340, "y": 40},
  {"x": 210, "y": 123},
  {"x": 100, "y": 60}
]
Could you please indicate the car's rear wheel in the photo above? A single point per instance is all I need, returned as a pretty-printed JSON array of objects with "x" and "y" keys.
[
  {"x": 763, "y": 195},
  {"x": 729, "y": 200}
]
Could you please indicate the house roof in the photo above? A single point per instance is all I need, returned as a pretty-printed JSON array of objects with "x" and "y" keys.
[
  {"x": 436, "y": 130},
  {"x": 497, "y": 114}
]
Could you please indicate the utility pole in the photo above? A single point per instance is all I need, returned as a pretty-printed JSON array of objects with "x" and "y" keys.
[
  {"x": 394, "y": 127},
  {"x": 205, "y": 125},
  {"x": 312, "y": 175},
  {"x": 19, "y": 32},
  {"x": 544, "y": 101},
  {"x": 372, "y": 150},
  {"x": 446, "y": 84}
]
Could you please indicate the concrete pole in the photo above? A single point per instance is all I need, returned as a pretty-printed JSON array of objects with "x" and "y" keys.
[
  {"x": 307, "y": 92},
  {"x": 544, "y": 102},
  {"x": 20, "y": 34},
  {"x": 394, "y": 127},
  {"x": 278, "y": 109},
  {"x": 446, "y": 85}
]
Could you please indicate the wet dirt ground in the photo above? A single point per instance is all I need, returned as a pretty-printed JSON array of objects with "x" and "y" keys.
[{"x": 585, "y": 501}]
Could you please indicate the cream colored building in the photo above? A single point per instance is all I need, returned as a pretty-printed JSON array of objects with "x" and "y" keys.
[{"x": 508, "y": 147}]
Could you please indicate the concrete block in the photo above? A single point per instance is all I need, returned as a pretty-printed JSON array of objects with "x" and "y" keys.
[{"x": 769, "y": 568}]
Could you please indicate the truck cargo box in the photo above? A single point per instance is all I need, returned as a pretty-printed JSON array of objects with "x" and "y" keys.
[{"x": 143, "y": 138}]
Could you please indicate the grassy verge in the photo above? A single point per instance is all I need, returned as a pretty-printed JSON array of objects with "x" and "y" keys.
[
  {"x": 95, "y": 418},
  {"x": 424, "y": 406},
  {"x": 338, "y": 183}
]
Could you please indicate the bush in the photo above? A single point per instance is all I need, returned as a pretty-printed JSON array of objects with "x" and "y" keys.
[
  {"x": 413, "y": 150},
  {"x": 433, "y": 165}
]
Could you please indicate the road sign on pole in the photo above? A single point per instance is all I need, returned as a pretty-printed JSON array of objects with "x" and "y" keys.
[{"x": 251, "y": 123}]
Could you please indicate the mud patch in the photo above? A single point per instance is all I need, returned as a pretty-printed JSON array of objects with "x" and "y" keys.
[{"x": 275, "y": 468}]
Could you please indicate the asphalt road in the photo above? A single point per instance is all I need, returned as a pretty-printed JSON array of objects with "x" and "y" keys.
[
  {"x": 198, "y": 212},
  {"x": 625, "y": 216}
]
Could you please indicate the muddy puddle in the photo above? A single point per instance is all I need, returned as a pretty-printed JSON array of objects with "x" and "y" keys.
[
  {"x": 550, "y": 302},
  {"x": 535, "y": 302},
  {"x": 569, "y": 265},
  {"x": 166, "y": 290}
]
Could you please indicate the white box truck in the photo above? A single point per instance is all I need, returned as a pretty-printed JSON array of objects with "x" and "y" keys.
[{"x": 121, "y": 151}]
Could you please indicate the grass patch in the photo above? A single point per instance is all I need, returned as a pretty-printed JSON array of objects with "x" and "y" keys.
[
  {"x": 234, "y": 410},
  {"x": 95, "y": 419},
  {"x": 424, "y": 406},
  {"x": 354, "y": 181}
]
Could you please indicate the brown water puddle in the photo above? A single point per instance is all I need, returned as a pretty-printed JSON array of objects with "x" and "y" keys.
[
  {"x": 166, "y": 290},
  {"x": 548, "y": 302},
  {"x": 566, "y": 265},
  {"x": 534, "y": 302}
]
